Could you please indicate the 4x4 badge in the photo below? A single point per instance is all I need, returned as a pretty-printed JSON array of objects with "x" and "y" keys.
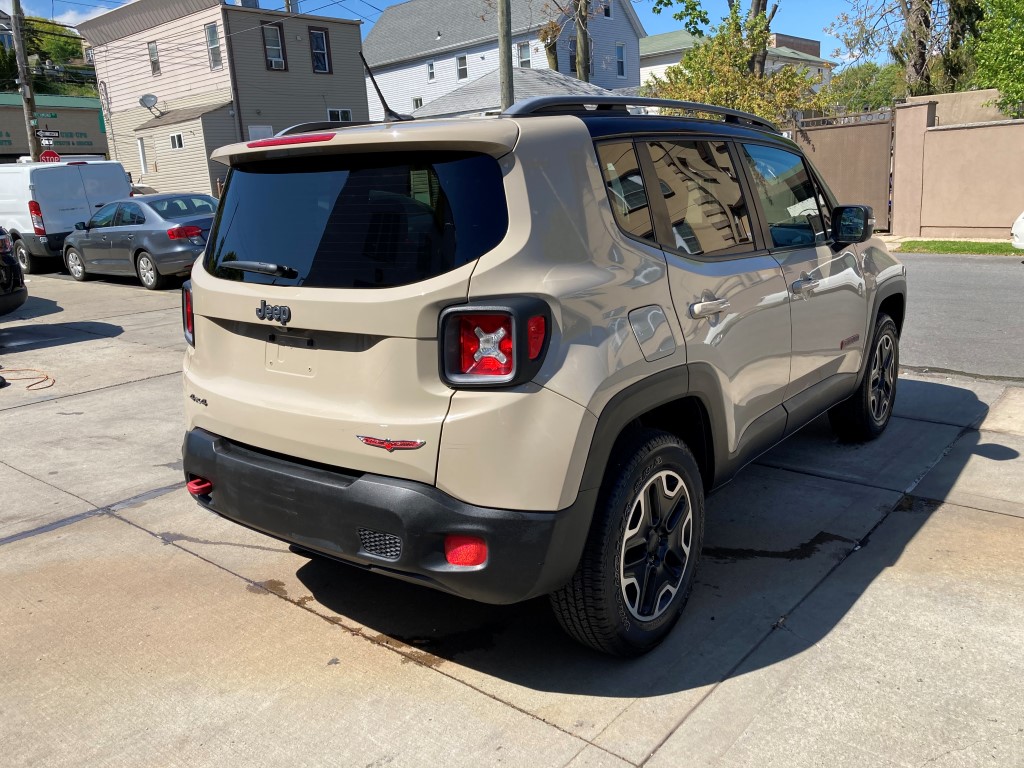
[{"x": 392, "y": 445}]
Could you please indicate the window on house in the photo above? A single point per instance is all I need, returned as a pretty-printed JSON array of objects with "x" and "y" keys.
[
  {"x": 176, "y": 141},
  {"x": 572, "y": 55},
  {"x": 213, "y": 46},
  {"x": 320, "y": 50},
  {"x": 339, "y": 115},
  {"x": 524, "y": 55},
  {"x": 154, "y": 59},
  {"x": 607, "y": 10},
  {"x": 273, "y": 46},
  {"x": 417, "y": 102},
  {"x": 620, "y": 59},
  {"x": 463, "y": 67},
  {"x": 430, "y": 70},
  {"x": 90, "y": 56}
]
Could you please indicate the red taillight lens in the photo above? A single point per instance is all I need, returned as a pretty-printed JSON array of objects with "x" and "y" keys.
[
  {"x": 37, "y": 217},
  {"x": 536, "y": 328},
  {"x": 485, "y": 345},
  {"x": 188, "y": 320},
  {"x": 465, "y": 550},
  {"x": 184, "y": 233}
]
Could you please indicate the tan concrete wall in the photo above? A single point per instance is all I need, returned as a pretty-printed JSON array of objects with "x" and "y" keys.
[
  {"x": 912, "y": 120},
  {"x": 964, "y": 107},
  {"x": 80, "y": 132}
]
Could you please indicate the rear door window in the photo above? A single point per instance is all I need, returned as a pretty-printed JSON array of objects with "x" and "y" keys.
[{"x": 359, "y": 221}]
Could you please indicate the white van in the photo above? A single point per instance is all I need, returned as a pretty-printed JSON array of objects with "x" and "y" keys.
[{"x": 41, "y": 202}]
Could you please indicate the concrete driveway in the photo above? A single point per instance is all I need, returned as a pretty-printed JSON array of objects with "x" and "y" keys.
[{"x": 857, "y": 605}]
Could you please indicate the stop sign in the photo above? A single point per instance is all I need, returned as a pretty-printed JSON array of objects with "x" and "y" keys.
[{"x": 49, "y": 156}]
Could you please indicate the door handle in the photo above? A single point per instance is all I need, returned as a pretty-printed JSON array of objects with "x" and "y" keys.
[
  {"x": 131, "y": 237},
  {"x": 805, "y": 285},
  {"x": 708, "y": 308}
]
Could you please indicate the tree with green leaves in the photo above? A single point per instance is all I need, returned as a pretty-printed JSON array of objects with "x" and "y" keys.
[
  {"x": 50, "y": 41},
  {"x": 1000, "y": 53},
  {"x": 722, "y": 70},
  {"x": 864, "y": 86}
]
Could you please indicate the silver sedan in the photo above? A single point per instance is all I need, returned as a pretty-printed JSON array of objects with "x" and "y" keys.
[{"x": 150, "y": 236}]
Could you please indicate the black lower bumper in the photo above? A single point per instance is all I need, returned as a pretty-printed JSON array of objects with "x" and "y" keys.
[
  {"x": 11, "y": 301},
  {"x": 388, "y": 524}
]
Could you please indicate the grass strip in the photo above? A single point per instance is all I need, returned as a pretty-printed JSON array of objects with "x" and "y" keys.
[{"x": 959, "y": 246}]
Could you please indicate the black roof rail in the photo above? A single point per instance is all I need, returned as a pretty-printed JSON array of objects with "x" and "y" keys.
[
  {"x": 320, "y": 125},
  {"x": 568, "y": 105}
]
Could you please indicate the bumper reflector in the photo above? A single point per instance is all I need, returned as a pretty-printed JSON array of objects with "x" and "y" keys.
[{"x": 465, "y": 550}]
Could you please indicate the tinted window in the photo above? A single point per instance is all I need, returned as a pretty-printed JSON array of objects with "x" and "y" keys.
[
  {"x": 184, "y": 206},
  {"x": 104, "y": 217},
  {"x": 129, "y": 215},
  {"x": 788, "y": 197},
  {"x": 705, "y": 204},
  {"x": 626, "y": 191},
  {"x": 367, "y": 221}
]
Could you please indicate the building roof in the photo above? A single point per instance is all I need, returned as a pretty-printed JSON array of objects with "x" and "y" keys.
[
  {"x": 484, "y": 93},
  {"x": 418, "y": 28},
  {"x": 56, "y": 102},
  {"x": 680, "y": 40},
  {"x": 138, "y": 16},
  {"x": 175, "y": 116}
]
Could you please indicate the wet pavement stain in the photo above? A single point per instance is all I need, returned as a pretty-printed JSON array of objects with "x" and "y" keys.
[
  {"x": 799, "y": 552},
  {"x": 272, "y": 586},
  {"x": 303, "y": 601}
]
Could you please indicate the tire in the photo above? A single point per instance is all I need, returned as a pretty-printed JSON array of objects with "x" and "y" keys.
[
  {"x": 29, "y": 264},
  {"x": 146, "y": 269},
  {"x": 637, "y": 568},
  {"x": 866, "y": 414},
  {"x": 76, "y": 264}
]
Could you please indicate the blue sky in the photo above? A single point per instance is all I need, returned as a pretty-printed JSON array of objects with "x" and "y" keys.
[{"x": 805, "y": 18}]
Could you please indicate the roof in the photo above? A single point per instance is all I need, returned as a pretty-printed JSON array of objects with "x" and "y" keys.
[
  {"x": 680, "y": 40},
  {"x": 175, "y": 116},
  {"x": 419, "y": 28},
  {"x": 138, "y": 16},
  {"x": 57, "y": 102},
  {"x": 484, "y": 93}
]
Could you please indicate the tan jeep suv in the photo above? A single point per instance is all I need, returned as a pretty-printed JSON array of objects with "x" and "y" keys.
[{"x": 507, "y": 357}]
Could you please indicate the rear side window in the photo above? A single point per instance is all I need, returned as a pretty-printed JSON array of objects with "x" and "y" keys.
[
  {"x": 626, "y": 191},
  {"x": 361, "y": 221}
]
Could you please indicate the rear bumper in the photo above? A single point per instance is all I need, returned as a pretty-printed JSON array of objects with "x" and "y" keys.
[
  {"x": 388, "y": 524},
  {"x": 50, "y": 245},
  {"x": 11, "y": 301},
  {"x": 178, "y": 261}
]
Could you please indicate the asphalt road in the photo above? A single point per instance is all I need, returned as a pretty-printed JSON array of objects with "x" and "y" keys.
[{"x": 965, "y": 314}]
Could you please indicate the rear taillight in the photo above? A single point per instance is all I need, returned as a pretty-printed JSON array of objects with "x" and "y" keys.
[
  {"x": 6, "y": 244},
  {"x": 37, "y": 217},
  {"x": 487, "y": 345},
  {"x": 188, "y": 319},
  {"x": 184, "y": 233}
]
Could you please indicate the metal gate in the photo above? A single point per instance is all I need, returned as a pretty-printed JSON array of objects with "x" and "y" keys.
[{"x": 854, "y": 154}]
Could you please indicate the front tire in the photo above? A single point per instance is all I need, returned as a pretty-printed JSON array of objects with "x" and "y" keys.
[
  {"x": 641, "y": 555},
  {"x": 150, "y": 276},
  {"x": 75, "y": 263},
  {"x": 866, "y": 414}
]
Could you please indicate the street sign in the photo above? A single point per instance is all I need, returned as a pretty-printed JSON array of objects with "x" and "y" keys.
[
  {"x": 44, "y": 114},
  {"x": 47, "y": 134},
  {"x": 49, "y": 156},
  {"x": 46, "y": 142}
]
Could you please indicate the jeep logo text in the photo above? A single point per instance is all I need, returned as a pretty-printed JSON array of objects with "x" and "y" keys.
[{"x": 281, "y": 314}]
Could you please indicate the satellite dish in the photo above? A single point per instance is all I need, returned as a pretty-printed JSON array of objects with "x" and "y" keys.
[{"x": 148, "y": 100}]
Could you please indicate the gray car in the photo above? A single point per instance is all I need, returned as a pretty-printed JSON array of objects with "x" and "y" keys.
[{"x": 151, "y": 236}]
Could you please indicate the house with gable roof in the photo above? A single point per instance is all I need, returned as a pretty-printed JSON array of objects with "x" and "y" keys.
[{"x": 422, "y": 50}]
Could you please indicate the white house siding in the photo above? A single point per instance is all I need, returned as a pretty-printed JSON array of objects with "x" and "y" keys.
[
  {"x": 283, "y": 98},
  {"x": 605, "y": 33},
  {"x": 176, "y": 170},
  {"x": 656, "y": 65}
]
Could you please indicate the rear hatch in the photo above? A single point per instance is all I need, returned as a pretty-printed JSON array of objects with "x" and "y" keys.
[
  {"x": 339, "y": 344},
  {"x": 71, "y": 193}
]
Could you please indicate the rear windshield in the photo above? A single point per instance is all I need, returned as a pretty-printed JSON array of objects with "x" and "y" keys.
[
  {"x": 366, "y": 221},
  {"x": 184, "y": 206}
]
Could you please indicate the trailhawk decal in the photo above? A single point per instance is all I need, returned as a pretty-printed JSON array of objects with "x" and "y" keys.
[{"x": 392, "y": 445}]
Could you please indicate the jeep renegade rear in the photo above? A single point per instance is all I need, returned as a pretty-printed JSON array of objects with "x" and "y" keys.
[{"x": 508, "y": 357}]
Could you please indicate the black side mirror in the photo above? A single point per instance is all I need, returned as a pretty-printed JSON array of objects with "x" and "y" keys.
[
  {"x": 81, "y": 226},
  {"x": 852, "y": 223}
]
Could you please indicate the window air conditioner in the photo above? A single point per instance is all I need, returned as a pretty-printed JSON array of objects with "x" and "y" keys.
[{"x": 277, "y": 63}]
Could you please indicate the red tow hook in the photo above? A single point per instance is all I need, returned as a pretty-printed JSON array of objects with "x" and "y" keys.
[{"x": 200, "y": 486}]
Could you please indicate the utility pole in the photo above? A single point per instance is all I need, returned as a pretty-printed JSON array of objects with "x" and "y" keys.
[
  {"x": 25, "y": 78},
  {"x": 505, "y": 52}
]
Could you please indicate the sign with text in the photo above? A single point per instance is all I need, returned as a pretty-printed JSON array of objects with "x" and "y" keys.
[
  {"x": 47, "y": 134},
  {"x": 49, "y": 156}
]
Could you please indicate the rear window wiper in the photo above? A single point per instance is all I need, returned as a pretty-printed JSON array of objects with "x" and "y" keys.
[{"x": 278, "y": 270}]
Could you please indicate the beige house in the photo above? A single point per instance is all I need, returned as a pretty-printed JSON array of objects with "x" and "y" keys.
[{"x": 220, "y": 73}]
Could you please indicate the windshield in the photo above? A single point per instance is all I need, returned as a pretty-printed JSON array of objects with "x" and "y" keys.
[
  {"x": 360, "y": 221},
  {"x": 184, "y": 206}
]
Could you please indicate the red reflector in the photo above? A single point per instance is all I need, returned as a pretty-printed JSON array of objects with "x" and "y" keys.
[
  {"x": 199, "y": 487},
  {"x": 184, "y": 233},
  {"x": 188, "y": 316},
  {"x": 465, "y": 550},
  {"x": 485, "y": 345},
  {"x": 282, "y": 141},
  {"x": 535, "y": 328}
]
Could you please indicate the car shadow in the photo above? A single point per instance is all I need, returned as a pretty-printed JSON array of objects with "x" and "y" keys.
[
  {"x": 744, "y": 590},
  {"x": 27, "y": 338},
  {"x": 33, "y": 307}
]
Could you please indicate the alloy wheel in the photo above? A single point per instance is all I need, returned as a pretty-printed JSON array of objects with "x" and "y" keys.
[
  {"x": 147, "y": 271},
  {"x": 883, "y": 379},
  {"x": 74, "y": 263}
]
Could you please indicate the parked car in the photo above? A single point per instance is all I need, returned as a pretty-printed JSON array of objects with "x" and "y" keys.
[
  {"x": 151, "y": 236},
  {"x": 484, "y": 355},
  {"x": 40, "y": 203},
  {"x": 1017, "y": 232},
  {"x": 12, "y": 285}
]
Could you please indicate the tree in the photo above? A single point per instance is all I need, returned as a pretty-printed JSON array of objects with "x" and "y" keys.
[
  {"x": 864, "y": 86},
  {"x": 50, "y": 41},
  {"x": 913, "y": 32},
  {"x": 718, "y": 71},
  {"x": 1000, "y": 53}
]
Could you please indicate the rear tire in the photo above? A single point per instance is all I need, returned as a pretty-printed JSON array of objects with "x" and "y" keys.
[
  {"x": 30, "y": 264},
  {"x": 76, "y": 264},
  {"x": 641, "y": 555},
  {"x": 866, "y": 414},
  {"x": 146, "y": 269}
]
